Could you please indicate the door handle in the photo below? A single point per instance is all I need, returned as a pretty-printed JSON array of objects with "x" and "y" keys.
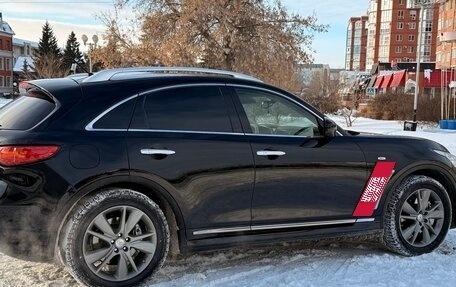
[
  {"x": 148, "y": 151},
  {"x": 270, "y": 153}
]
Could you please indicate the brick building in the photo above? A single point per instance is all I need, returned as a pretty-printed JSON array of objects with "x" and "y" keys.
[
  {"x": 393, "y": 32},
  {"x": 446, "y": 47},
  {"x": 355, "y": 57},
  {"x": 6, "y": 57}
]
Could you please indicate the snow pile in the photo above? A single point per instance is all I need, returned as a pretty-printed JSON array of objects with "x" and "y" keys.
[{"x": 307, "y": 264}]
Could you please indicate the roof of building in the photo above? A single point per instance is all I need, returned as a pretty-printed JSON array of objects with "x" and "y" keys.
[
  {"x": 22, "y": 42},
  {"x": 19, "y": 65},
  {"x": 6, "y": 28}
]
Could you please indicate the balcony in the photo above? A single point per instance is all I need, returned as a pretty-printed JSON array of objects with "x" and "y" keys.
[{"x": 447, "y": 36}]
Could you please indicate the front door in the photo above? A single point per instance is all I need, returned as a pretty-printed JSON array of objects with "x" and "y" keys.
[{"x": 301, "y": 176}]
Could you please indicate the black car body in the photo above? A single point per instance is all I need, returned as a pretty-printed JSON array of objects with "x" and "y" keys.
[{"x": 211, "y": 150}]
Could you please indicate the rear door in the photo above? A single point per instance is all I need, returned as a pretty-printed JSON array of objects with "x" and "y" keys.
[
  {"x": 301, "y": 177},
  {"x": 188, "y": 140}
]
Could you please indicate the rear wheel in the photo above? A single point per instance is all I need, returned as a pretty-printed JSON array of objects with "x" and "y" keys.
[
  {"x": 418, "y": 216},
  {"x": 116, "y": 238}
]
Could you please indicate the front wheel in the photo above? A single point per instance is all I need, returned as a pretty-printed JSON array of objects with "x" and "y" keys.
[
  {"x": 117, "y": 237},
  {"x": 418, "y": 216}
]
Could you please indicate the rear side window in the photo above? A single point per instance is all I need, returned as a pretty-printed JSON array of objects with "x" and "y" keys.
[
  {"x": 117, "y": 118},
  {"x": 26, "y": 111},
  {"x": 184, "y": 109}
]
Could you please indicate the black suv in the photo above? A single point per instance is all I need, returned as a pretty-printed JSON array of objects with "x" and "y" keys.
[{"x": 107, "y": 173}]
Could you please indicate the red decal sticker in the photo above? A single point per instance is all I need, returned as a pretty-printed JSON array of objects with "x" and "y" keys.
[{"x": 374, "y": 189}]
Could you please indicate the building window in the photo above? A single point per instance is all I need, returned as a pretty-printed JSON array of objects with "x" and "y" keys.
[
  {"x": 413, "y": 14},
  {"x": 411, "y": 38},
  {"x": 427, "y": 39},
  {"x": 8, "y": 64},
  {"x": 1, "y": 64},
  {"x": 398, "y": 49},
  {"x": 401, "y": 2},
  {"x": 412, "y": 25},
  {"x": 399, "y": 38},
  {"x": 400, "y": 14},
  {"x": 8, "y": 82},
  {"x": 400, "y": 25},
  {"x": 411, "y": 50},
  {"x": 428, "y": 27},
  {"x": 1, "y": 81}
]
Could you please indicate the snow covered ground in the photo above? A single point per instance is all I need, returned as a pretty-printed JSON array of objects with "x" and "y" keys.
[{"x": 308, "y": 264}]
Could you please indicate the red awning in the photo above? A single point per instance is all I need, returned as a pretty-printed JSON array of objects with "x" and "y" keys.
[
  {"x": 386, "y": 81},
  {"x": 439, "y": 78},
  {"x": 378, "y": 82},
  {"x": 398, "y": 79}
]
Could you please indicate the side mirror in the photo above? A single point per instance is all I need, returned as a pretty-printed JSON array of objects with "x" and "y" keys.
[{"x": 330, "y": 128}]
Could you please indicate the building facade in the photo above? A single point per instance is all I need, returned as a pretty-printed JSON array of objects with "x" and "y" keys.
[
  {"x": 393, "y": 27},
  {"x": 355, "y": 57},
  {"x": 23, "y": 52},
  {"x": 6, "y": 58},
  {"x": 446, "y": 48}
]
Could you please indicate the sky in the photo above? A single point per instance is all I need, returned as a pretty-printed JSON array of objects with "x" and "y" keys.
[{"x": 27, "y": 17}]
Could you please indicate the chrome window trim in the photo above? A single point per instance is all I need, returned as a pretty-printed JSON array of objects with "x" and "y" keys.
[
  {"x": 185, "y": 132},
  {"x": 90, "y": 127},
  {"x": 280, "y": 226}
]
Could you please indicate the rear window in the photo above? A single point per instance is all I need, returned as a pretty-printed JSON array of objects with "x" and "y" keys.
[{"x": 26, "y": 111}]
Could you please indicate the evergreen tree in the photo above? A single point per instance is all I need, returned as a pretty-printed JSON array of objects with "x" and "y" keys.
[
  {"x": 48, "y": 42},
  {"x": 72, "y": 54},
  {"x": 25, "y": 67},
  {"x": 48, "y": 58}
]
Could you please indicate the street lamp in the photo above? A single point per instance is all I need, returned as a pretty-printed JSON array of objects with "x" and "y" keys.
[
  {"x": 422, "y": 5},
  {"x": 92, "y": 46}
]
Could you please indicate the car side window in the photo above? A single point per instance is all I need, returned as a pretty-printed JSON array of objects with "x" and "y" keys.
[
  {"x": 196, "y": 108},
  {"x": 270, "y": 114},
  {"x": 117, "y": 118}
]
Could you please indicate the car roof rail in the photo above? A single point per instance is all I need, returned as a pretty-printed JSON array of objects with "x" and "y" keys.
[{"x": 107, "y": 75}]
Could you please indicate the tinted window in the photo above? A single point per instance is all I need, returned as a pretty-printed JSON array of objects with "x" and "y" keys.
[
  {"x": 187, "y": 109},
  {"x": 117, "y": 118},
  {"x": 26, "y": 111},
  {"x": 271, "y": 114}
]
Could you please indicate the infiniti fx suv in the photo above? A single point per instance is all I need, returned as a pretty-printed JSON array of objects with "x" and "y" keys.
[{"x": 109, "y": 173}]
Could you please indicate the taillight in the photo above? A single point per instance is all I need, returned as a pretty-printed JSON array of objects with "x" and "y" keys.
[{"x": 19, "y": 155}]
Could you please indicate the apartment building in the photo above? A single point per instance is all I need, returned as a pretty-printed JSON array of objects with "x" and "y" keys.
[
  {"x": 23, "y": 51},
  {"x": 393, "y": 27},
  {"x": 355, "y": 57},
  {"x": 446, "y": 46},
  {"x": 6, "y": 58}
]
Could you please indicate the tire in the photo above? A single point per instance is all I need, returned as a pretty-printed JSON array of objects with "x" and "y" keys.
[
  {"x": 412, "y": 228},
  {"x": 117, "y": 237}
]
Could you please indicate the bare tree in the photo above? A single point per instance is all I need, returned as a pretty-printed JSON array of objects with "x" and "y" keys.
[
  {"x": 322, "y": 92},
  {"x": 48, "y": 66},
  {"x": 250, "y": 36}
]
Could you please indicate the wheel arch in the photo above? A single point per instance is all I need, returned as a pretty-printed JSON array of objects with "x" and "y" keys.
[
  {"x": 151, "y": 189},
  {"x": 432, "y": 170}
]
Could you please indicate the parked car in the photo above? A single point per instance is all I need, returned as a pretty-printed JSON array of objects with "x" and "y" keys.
[{"x": 106, "y": 173}]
